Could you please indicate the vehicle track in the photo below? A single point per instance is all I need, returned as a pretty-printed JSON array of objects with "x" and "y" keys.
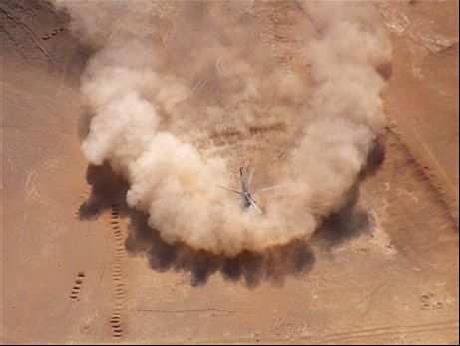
[
  {"x": 118, "y": 282},
  {"x": 423, "y": 170},
  {"x": 280, "y": 23},
  {"x": 75, "y": 293},
  {"x": 356, "y": 336}
]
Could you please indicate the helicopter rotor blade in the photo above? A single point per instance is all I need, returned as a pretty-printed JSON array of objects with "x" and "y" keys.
[{"x": 229, "y": 190}]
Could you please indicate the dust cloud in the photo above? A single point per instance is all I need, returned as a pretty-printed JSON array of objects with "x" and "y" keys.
[{"x": 168, "y": 79}]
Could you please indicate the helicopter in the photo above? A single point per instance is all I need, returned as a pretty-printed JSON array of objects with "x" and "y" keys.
[{"x": 247, "y": 200}]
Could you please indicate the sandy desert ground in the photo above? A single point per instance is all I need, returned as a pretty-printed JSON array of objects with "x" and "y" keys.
[{"x": 79, "y": 266}]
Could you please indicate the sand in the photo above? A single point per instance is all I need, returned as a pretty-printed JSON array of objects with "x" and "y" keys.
[{"x": 80, "y": 267}]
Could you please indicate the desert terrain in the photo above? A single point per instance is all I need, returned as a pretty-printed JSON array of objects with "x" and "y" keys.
[{"x": 80, "y": 266}]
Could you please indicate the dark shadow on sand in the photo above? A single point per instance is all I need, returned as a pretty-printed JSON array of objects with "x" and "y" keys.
[
  {"x": 350, "y": 221},
  {"x": 107, "y": 190},
  {"x": 272, "y": 265}
]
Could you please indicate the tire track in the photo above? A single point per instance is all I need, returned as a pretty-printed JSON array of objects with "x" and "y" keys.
[
  {"x": 25, "y": 32},
  {"x": 118, "y": 282},
  {"x": 54, "y": 32},
  {"x": 356, "y": 336},
  {"x": 280, "y": 22},
  {"x": 387, "y": 331},
  {"x": 423, "y": 170},
  {"x": 74, "y": 294}
]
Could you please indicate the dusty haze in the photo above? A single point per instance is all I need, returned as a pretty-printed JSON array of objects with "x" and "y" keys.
[{"x": 153, "y": 125}]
